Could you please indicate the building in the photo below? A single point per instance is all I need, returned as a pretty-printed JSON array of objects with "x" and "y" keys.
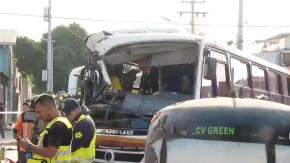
[
  {"x": 13, "y": 88},
  {"x": 276, "y": 49},
  {"x": 22, "y": 91}
]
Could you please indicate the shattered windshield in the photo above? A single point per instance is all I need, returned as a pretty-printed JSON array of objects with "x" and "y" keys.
[{"x": 150, "y": 68}]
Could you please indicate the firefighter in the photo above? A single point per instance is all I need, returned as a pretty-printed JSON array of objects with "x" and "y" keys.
[
  {"x": 84, "y": 131},
  {"x": 54, "y": 142}
]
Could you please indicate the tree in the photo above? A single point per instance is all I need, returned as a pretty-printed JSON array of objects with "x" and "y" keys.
[
  {"x": 30, "y": 59},
  {"x": 69, "y": 50}
]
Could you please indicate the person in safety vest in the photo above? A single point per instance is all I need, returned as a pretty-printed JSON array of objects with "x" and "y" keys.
[
  {"x": 24, "y": 127},
  {"x": 84, "y": 131},
  {"x": 54, "y": 142}
]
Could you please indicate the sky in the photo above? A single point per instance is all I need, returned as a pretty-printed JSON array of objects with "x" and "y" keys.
[{"x": 261, "y": 19}]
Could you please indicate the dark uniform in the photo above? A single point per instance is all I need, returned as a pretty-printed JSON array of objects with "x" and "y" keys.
[
  {"x": 84, "y": 138},
  {"x": 51, "y": 137},
  {"x": 84, "y": 132}
]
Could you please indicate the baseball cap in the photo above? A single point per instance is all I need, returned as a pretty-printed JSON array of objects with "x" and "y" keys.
[{"x": 69, "y": 105}]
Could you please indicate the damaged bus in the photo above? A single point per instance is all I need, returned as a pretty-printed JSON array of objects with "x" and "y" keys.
[{"x": 132, "y": 75}]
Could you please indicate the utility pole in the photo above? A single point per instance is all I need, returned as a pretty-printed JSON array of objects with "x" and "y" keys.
[
  {"x": 49, "y": 54},
  {"x": 47, "y": 17},
  {"x": 193, "y": 13},
  {"x": 240, "y": 26}
]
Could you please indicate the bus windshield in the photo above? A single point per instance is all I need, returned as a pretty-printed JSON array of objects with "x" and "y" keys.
[{"x": 148, "y": 68}]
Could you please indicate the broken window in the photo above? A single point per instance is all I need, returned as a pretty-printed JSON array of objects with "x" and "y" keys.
[{"x": 151, "y": 68}]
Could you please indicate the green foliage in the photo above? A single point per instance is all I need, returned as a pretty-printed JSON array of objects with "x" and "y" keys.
[
  {"x": 30, "y": 60},
  {"x": 69, "y": 50}
]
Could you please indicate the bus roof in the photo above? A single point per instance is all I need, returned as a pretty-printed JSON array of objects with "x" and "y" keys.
[{"x": 103, "y": 42}]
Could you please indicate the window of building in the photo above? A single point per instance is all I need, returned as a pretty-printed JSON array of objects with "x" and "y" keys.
[{"x": 259, "y": 81}]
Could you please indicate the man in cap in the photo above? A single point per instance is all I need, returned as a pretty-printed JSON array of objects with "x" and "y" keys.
[{"x": 84, "y": 131}]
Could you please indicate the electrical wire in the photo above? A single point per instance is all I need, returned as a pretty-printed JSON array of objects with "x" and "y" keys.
[
  {"x": 91, "y": 19},
  {"x": 143, "y": 22}
]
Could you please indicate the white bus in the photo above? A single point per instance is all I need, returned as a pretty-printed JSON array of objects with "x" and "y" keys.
[{"x": 131, "y": 75}]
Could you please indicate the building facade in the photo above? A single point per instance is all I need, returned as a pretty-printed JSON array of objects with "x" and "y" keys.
[
  {"x": 276, "y": 49},
  {"x": 13, "y": 88}
]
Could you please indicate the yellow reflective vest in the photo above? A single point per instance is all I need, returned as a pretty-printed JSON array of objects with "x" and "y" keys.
[
  {"x": 63, "y": 154},
  {"x": 85, "y": 155}
]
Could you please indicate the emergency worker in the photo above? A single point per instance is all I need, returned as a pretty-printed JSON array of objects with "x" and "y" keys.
[
  {"x": 24, "y": 128},
  {"x": 54, "y": 142},
  {"x": 24, "y": 124},
  {"x": 84, "y": 131}
]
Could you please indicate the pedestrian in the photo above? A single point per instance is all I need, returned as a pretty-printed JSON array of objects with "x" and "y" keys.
[
  {"x": 84, "y": 131},
  {"x": 54, "y": 142},
  {"x": 24, "y": 128},
  {"x": 2, "y": 132}
]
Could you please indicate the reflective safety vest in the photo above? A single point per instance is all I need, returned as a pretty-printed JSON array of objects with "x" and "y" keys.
[
  {"x": 63, "y": 154},
  {"x": 85, "y": 155}
]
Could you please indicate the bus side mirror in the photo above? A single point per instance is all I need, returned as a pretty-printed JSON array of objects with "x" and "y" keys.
[{"x": 210, "y": 66}]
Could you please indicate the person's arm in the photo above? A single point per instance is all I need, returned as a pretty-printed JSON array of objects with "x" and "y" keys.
[
  {"x": 55, "y": 137},
  {"x": 49, "y": 151},
  {"x": 83, "y": 133},
  {"x": 18, "y": 127},
  {"x": 45, "y": 152}
]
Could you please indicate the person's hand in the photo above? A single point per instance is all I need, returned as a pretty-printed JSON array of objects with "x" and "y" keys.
[
  {"x": 24, "y": 143},
  {"x": 15, "y": 136}
]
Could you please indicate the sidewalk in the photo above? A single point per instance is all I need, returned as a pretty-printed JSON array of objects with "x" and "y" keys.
[
  {"x": 8, "y": 140},
  {"x": 10, "y": 145}
]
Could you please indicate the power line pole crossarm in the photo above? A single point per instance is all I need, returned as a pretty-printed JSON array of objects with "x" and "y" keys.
[{"x": 193, "y": 13}]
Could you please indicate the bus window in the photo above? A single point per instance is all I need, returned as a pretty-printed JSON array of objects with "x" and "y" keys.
[
  {"x": 258, "y": 82},
  {"x": 218, "y": 87},
  {"x": 273, "y": 83},
  {"x": 282, "y": 153},
  {"x": 178, "y": 78},
  {"x": 240, "y": 77},
  {"x": 211, "y": 88},
  {"x": 285, "y": 88},
  {"x": 288, "y": 86},
  {"x": 274, "y": 87}
]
